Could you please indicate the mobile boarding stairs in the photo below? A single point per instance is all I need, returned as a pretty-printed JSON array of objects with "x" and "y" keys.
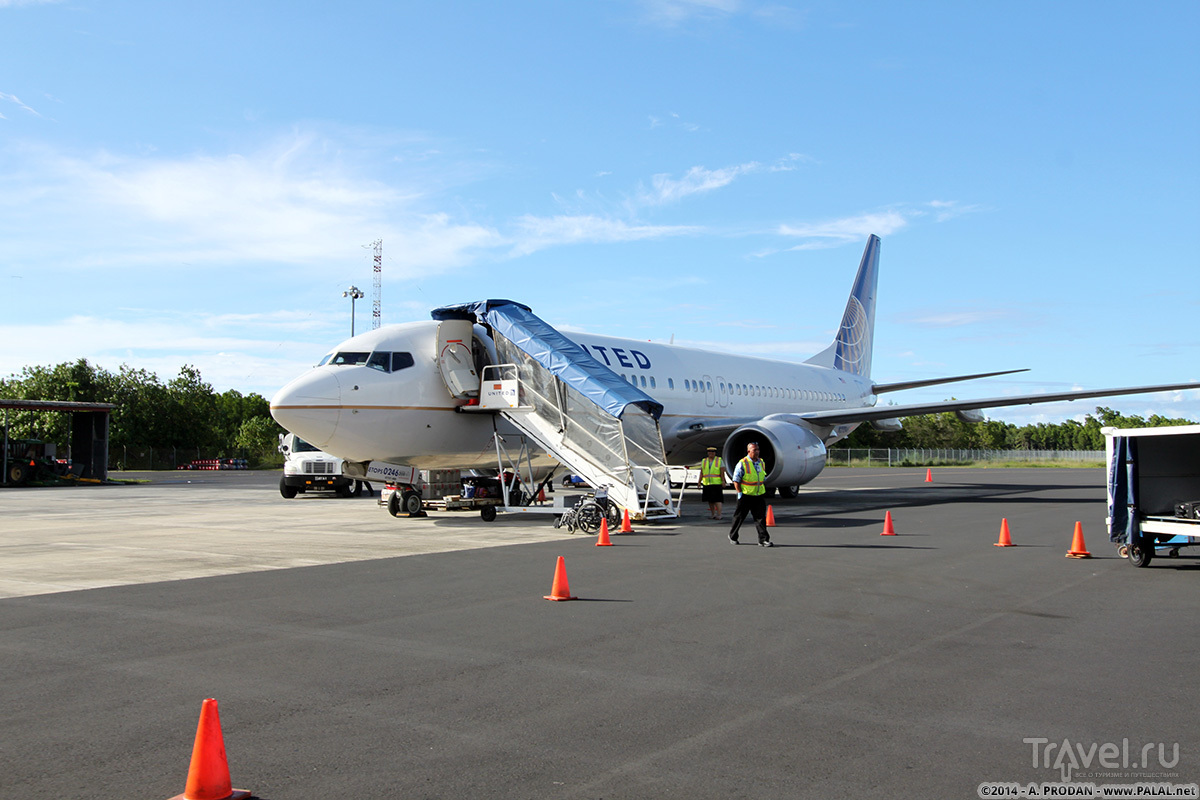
[{"x": 562, "y": 400}]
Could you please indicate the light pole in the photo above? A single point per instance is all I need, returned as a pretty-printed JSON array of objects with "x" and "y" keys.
[{"x": 354, "y": 293}]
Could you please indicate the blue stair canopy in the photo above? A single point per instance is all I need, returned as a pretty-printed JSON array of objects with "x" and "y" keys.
[{"x": 564, "y": 359}]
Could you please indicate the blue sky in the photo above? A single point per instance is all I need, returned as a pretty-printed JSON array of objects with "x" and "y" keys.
[{"x": 196, "y": 183}]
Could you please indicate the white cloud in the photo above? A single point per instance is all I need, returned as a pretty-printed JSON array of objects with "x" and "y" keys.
[
  {"x": 944, "y": 210},
  {"x": 753, "y": 324},
  {"x": 1184, "y": 404},
  {"x": 537, "y": 233},
  {"x": 788, "y": 162},
  {"x": 292, "y": 202},
  {"x": 955, "y": 319},
  {"x": 675, "y": 12},
  {"x": 12, "y": 98},
  {"x": 267, "y": 351},
  {"x": 848, "y": 229},
  {"x": 697, "y": 180},
  {"x": 780, "y": 349}
]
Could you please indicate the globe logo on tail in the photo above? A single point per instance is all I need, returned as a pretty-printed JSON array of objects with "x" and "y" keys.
[{"x": 853, "y": 341}]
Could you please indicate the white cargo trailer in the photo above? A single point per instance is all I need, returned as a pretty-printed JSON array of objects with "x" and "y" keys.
[{"x": 1153, "y": 490}]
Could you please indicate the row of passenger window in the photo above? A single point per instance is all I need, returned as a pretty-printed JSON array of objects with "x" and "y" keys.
[
  {"x": 386, "y": 361},
  {"x": 382, "y": 360},
  {"x": 739, "y": 389}
]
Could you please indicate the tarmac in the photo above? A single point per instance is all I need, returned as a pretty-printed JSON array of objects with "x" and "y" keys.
[{"x": 358, "y": 655}]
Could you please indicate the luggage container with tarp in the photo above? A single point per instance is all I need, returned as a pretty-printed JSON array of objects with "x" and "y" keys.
[{"x": 1153, "y": 490}]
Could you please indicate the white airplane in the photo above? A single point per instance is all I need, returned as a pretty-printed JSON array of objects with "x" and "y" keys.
[{"x": 392, "y": 394}]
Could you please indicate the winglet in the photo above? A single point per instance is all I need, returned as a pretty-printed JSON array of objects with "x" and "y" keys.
[
  {"x": 851, "y": 350},
  {"x": 880, "y": 388}
]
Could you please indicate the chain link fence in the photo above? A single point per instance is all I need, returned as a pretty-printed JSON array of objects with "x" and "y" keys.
[
  {"x": 122, "y": 457},
  {"x": 879, "y": 457},
  {"x": 155, "y": 458}
]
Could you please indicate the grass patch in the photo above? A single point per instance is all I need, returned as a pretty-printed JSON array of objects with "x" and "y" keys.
[
  {"x": 985, "y": 464},
  {"x": 1035, "y": 464}
]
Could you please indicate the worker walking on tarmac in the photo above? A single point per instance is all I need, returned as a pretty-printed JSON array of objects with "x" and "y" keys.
[
  {"x": 712, "y": 481},
  {"x": 750, "y": 481}
]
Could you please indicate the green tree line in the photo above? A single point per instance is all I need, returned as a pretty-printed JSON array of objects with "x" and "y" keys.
[
  {"x": 184, "y": 412},
  {"x": 946, "y": 430}
]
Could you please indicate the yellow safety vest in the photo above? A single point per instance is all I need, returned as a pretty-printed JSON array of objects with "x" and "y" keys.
[
  {"x": 753, "y": 477},
  {"x": 711, "y": 471}
]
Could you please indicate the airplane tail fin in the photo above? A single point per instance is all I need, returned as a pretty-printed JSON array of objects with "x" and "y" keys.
[{"x": 851, "y": 350}]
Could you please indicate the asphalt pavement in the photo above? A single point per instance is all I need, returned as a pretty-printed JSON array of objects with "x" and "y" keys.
[{"x": 357, "y": 655}]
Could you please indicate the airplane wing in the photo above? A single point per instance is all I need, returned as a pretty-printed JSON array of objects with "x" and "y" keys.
[
  {"x": 841, "y": 416},
  {"x": 880, "y": 388}
]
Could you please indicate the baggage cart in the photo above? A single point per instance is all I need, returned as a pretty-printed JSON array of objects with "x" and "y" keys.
[{"x": 1153, "y": 490}]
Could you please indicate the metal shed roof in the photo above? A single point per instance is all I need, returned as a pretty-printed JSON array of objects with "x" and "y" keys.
[{"x": 54, "y": 405}]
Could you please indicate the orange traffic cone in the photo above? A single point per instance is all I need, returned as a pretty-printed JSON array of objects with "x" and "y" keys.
[
  {"x": 888, "y": 530},
  {"x": 561, "y": 590},
  {"x": 625, "y": 526},
  {"x": 1005, "y": 539},
  {"x": 1078, "y": 548},
  {"x": 770, "y": 517},
  {"x": 603, "y": 540},
  {"x": 208, "y": 775},
  {"x": 929, "y": 475},
  {"x": 541, "y": 494}
]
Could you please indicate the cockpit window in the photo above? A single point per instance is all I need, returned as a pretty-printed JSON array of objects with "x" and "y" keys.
[
  {"x": 382, "y": 360},
  {"x": 349, "y": 358},
  {"x": 325, "y": 360}
]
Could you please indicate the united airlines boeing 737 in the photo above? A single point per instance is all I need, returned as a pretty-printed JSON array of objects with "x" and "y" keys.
[{"x": 398, "y": 393}]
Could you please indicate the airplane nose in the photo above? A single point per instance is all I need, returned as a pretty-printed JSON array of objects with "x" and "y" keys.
[{"x": 310, "y": 406}]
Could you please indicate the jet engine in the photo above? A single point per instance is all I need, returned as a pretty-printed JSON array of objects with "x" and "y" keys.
[
  {"x": 971, "y": 415},
  {"x": 793, "y": 453}
]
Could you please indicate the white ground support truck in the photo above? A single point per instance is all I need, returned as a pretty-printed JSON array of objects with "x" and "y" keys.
[
  {"x": 305, "y": 468},
  {"x": 1153, "y": 490}
]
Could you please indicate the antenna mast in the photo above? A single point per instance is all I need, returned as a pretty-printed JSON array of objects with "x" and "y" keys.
[{"x": 377, "y": 294}]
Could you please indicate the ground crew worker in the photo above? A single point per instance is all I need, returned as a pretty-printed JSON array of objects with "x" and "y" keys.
[
  {"x": 750, "y": 481},
  {"x": 712, "y": 481}
]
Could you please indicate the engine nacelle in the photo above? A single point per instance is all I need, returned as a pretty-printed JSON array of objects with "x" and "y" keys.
[
  {"x": 793, "y": 454},
  {"x": 971, "y": 415}
]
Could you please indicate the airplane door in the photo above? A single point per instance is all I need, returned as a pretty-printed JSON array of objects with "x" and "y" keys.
[
  {"x": 722, "y": 389},
  {"x": 455, "y": 360},
  {"x": 710, "y": 391}
]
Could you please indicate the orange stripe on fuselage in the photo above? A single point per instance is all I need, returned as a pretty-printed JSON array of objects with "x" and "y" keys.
[{"x": 372, "y": 408}]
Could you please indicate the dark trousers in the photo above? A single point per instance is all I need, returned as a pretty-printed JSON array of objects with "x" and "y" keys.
[{"x": 756, "y": 506}]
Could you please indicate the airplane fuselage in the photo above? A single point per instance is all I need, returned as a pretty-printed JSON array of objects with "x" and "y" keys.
[
  {"x": 362, "y": 409},
  {"x": 395, "y": 394}
]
